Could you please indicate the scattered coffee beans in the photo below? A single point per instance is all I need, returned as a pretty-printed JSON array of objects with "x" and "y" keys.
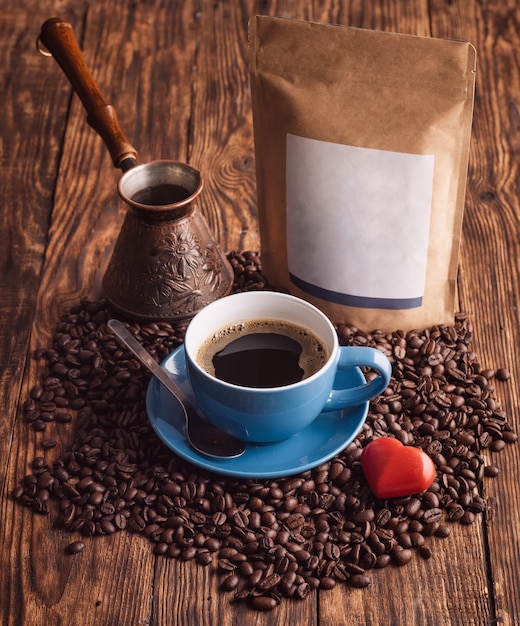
[{"x": 269, "y": 539}]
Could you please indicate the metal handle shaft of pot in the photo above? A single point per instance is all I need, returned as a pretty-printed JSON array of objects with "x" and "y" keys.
[{"x": 58, "y": 37}]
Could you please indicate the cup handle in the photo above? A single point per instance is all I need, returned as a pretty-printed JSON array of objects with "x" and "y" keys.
[{"x": 354, "y": 356}]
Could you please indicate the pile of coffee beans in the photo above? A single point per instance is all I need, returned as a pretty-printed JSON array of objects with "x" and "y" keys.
[{"x": 268, "y": 539}]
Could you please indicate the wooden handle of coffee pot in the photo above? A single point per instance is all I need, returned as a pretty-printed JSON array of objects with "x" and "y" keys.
[{"x": 58, "y": 37}]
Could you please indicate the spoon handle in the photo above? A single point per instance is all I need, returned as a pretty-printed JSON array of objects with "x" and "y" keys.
[
  {"x": 203, "y": 436},
  {"x": 120, "y": 330}
]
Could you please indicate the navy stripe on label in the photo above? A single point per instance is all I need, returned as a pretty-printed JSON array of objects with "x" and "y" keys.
[{"x": 361, "y": 302}]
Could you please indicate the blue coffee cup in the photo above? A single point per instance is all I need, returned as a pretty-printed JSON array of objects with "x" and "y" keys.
[{"x": 264, "y": 415}]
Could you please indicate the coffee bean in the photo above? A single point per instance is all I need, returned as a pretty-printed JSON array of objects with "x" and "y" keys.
[
  {"x": 432, "y": 515},
  {"x": 18, "y": 492},
  {"x": 412, "y": 507},
  {"x": 204, "y": 557},
  {"x": 503, "y": 374},
  {"x": 430, "y": 500},
  {"x": 263, "y": 603},
  {"x": 63, "y": 417},
  {"x": 425, "y": 552},
  {"x": 467, "y": 518},
  {"x": 509, "y": 436},
  {"x": 75, "y": 547},
  {"x": 497, "y": 445},
  {"x": 402, "y": 556},
  {"x": 39, "y": 425},
  {"x": 303, "y": 590},
  {"x": 188, "y": 553},
  {"x": 230, "y": 583},
  {"x": 269, "y": 582},
  {"x": 443, "y": 531},
  {"x": 359, "y": 581},
  {"x": 36, "y": 392},
  {"x": 491, "y": 470}
]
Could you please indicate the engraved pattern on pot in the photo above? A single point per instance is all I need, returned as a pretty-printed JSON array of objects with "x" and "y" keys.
[
  {"x": 172, "y": 271},
  {"x": 177, "y": 267}
]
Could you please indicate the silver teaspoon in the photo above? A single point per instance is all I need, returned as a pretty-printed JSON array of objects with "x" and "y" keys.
[{"x": 201, "y": 434}]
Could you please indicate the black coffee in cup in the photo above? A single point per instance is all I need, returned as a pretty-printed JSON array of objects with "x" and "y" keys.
[{"x": 262, "y": 353}]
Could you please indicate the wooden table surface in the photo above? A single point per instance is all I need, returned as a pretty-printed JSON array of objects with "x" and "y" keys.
[{"x": 177, "y": 73}]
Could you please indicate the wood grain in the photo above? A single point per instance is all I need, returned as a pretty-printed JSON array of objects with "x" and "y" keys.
[
  {"x": 177, "y": 74},
  {"x": 491, "y": 244},
  {"x": 221, "y": 127},
  {"x": 490, "y": 271},
  {"x": 30, "y": 148}
]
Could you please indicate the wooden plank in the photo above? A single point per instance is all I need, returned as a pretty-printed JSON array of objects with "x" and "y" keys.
[
  {"x": 30, "y": 149},
  {"x": 222, "y": 133},
  {"x": 34, "y": 120},
  {"x": 401, "y": 17},
  {"x": 491, "y": 244}
]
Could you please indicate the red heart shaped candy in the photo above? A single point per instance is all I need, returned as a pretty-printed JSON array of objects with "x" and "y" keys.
[{"x": 393, "y": 470}]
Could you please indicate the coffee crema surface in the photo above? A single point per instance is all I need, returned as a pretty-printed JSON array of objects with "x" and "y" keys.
[{"x": 262, "y": 353}]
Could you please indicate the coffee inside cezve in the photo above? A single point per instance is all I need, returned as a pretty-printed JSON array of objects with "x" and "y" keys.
[
  {"x": 259, "y": 360},
  {"x": 161, "y": 195}
]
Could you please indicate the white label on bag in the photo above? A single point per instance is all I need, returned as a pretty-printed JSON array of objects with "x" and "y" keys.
[{"x": 358, "y": 223}]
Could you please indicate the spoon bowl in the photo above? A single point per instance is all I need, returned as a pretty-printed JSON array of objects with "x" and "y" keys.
[{"x": 201, "y": 434}]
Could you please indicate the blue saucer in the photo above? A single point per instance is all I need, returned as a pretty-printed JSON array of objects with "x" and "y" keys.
[{"x": 328, "y": 435}]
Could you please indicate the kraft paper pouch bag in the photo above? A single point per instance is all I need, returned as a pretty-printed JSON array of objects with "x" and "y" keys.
[{"x": 361, "y": 141}]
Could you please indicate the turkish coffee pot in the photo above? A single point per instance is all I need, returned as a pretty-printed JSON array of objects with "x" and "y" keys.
[{"x": 166, "y": 264}]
